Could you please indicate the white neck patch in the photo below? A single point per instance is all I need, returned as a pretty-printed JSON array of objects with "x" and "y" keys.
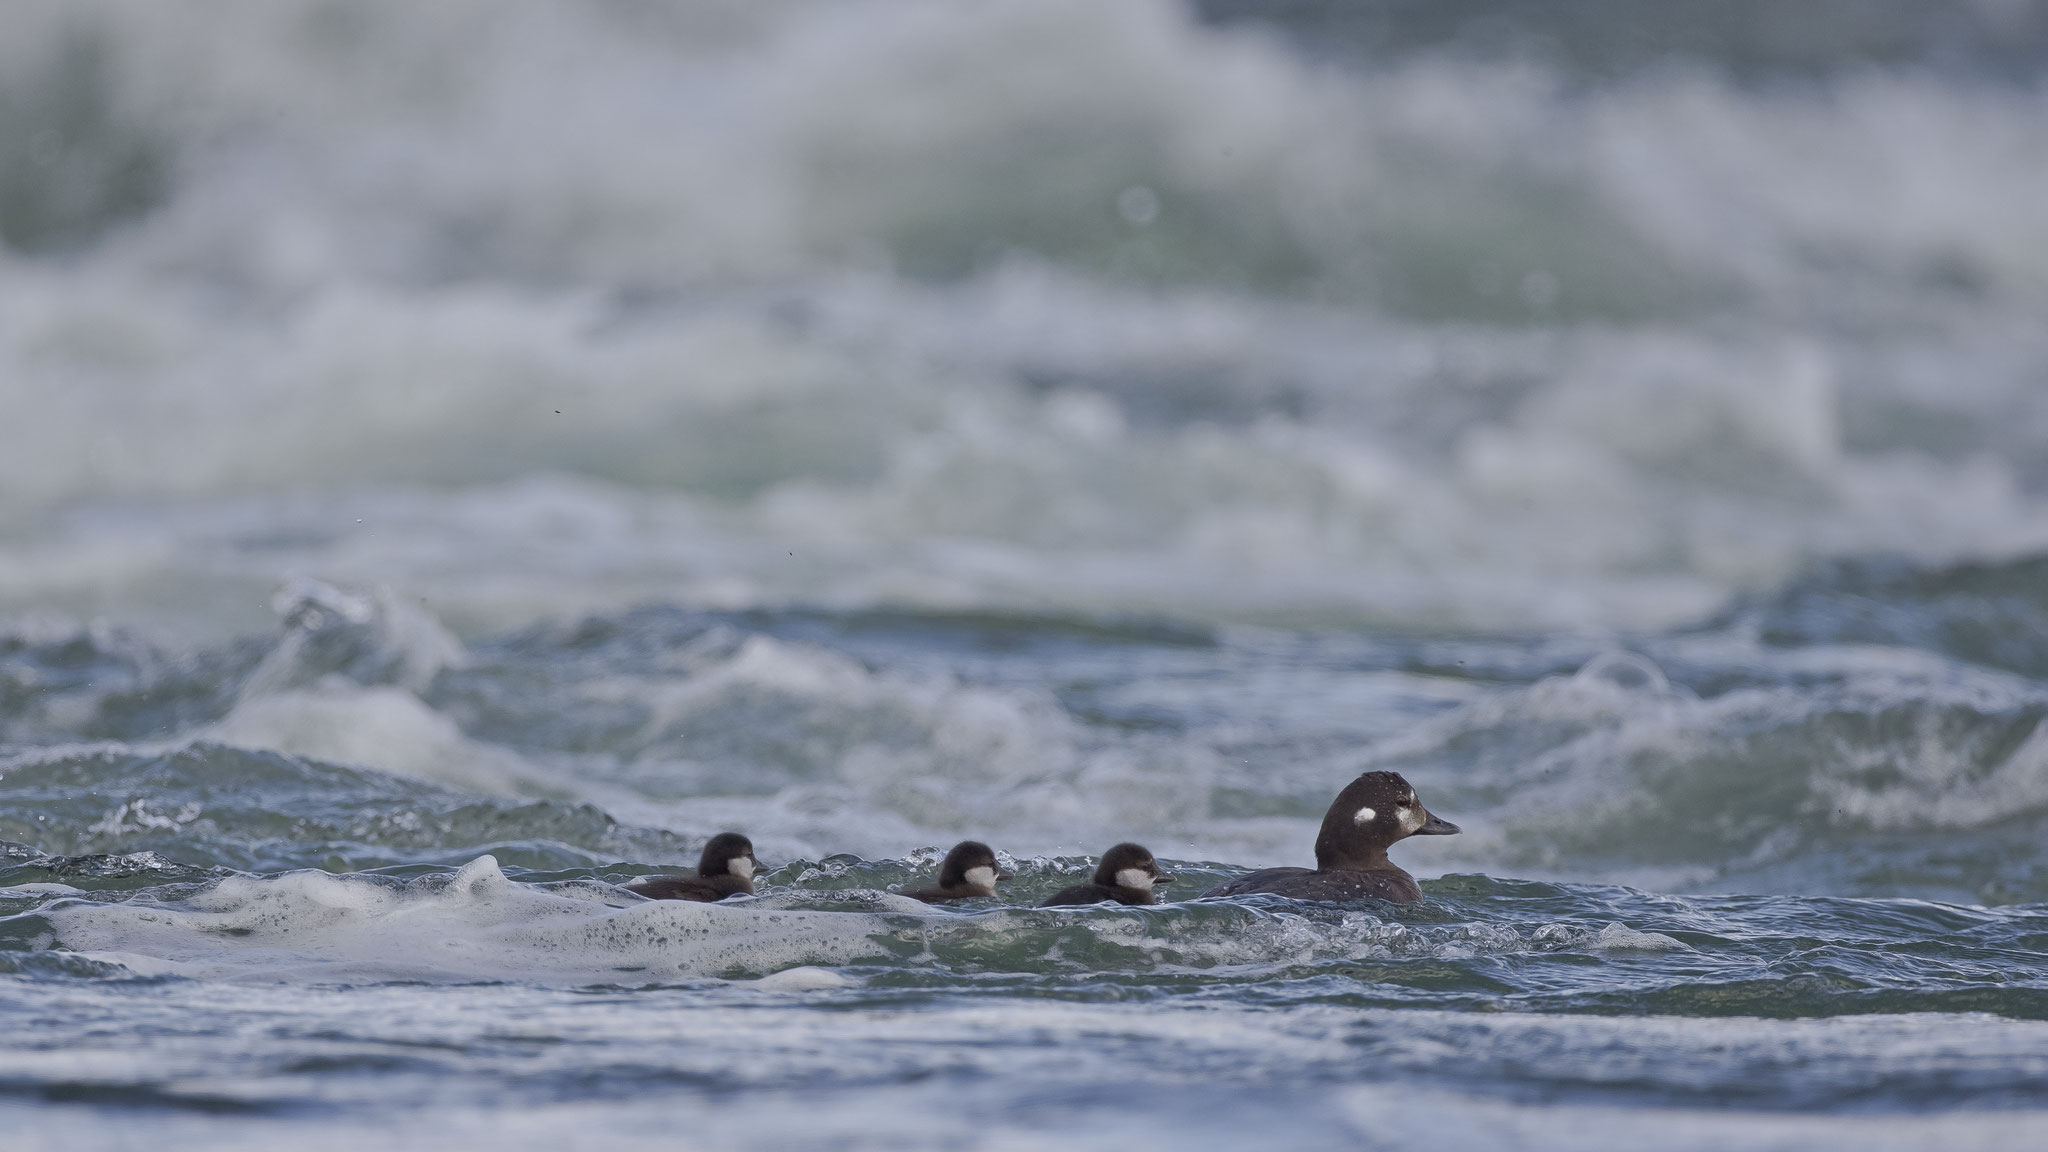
[
  {"x": 982, "y": 877},
  {"x": 1365, "y": 816},
  {"x": 1134, "y": 878},
  {"x": 741, "y": 866}
]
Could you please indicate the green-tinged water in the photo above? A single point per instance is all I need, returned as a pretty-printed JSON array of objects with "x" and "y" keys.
[
  {"x": 287, "y": 940},
  {"x": 457, "y": 458}
]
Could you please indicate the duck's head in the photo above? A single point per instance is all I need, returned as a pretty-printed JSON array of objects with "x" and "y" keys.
[
  {"x": 1130, "y": 866},
  {"x": 728, "y": 854},
  {"x": 971, "y": 864},
  {"x": 1368, "y": 816}
]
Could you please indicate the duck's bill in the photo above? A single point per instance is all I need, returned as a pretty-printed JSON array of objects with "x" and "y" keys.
[
  {"x": 1163, "y": 878},
  {"x": 1436, "y": 827}
]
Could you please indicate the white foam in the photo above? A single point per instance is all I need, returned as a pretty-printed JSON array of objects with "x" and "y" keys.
[
  {"x": 381, "y": 727},
  {"x": 147, "y": 967},
  {"x": 707, "y": 373},
  {"x": 915, "y": 756},
  {"x": 1617, "y": 937},
  {"x": 430, "y": 364},
  {"x": 313, "y": 926},
  {"x": 478, "y": 925},
  {"x": 804, "y": 979},
  {"x": 1686, "y": 789}
]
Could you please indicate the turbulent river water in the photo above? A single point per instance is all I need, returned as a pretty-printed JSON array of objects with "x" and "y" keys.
[{"x": 455, "y": 458}]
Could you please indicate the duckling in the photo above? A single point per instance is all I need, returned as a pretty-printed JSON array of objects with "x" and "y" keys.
[
  {"x": 1126, "y": 875},
  {"x": 725, "y": 869},
  {"x": 970, "y": 870}
]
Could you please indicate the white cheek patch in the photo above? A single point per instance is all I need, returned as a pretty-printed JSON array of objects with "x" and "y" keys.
[
  {"x": 1134, "y": 878},
  {"x": 741, "y": 866},
  {"x": 1365, "y": 816},
  {"x": 982, "y": 877},
  {"x": 1413, "y": 818}
]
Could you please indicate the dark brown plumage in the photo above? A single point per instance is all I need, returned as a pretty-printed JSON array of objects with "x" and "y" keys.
[
  {"x": 970, "y": 871},
  {"x": 725, "y": 869},
  {"x": 1367, "y": 817},
  {"x": 1126, "y": 875}
]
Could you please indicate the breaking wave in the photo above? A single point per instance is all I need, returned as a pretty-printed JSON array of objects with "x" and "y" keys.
[{"x": 1033, "y": 306}]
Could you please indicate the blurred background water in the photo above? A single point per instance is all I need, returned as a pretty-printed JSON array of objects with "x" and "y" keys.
[{"x": 558, "y": 431}]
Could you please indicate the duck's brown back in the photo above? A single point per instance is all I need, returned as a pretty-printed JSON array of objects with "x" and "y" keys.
[{"x": 705, "y": 889}]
